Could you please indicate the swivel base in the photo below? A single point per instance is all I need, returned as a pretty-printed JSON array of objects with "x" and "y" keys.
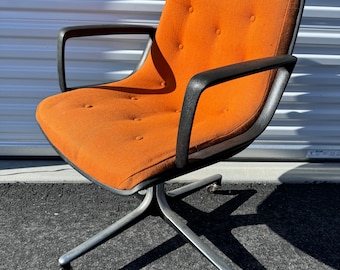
[{"x": 155, "y": 201}]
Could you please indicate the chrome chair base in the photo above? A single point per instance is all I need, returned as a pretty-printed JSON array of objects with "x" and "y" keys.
[{"x": 155, "y": 202}]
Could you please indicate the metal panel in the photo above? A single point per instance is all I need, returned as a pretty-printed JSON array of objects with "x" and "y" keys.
[
  {"x": 28, "y": 73},
  {"x": 306, "y": 124}
]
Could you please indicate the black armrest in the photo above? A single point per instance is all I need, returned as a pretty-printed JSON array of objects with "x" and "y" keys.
[
  {"x": 92, "y": 30},
  {"x": 204, "y": 80}
]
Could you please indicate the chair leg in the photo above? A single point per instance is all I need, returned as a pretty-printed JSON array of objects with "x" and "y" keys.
[
  {"x": 188, "y": 189},
  {"x": 173, "y": 219},
  {"x": 127, "y": 221}
]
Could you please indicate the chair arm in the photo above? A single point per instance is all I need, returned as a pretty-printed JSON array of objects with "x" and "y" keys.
[
  {"x": 206, "y": 79},
  {"x": 93, "y": 30}
]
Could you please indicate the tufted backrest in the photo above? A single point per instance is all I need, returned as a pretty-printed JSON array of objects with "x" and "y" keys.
[{"x": 197, "y": 35}]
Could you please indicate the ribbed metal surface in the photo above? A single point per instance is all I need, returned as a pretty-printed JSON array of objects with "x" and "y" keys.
[
  {"x": 306, "y": 124},
  {"x": 28, "y": 72}
]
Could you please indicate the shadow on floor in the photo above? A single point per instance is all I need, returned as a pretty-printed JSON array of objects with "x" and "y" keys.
[{"x": 305, "y": 216}]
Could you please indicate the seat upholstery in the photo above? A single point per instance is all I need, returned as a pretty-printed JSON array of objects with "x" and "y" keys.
[{"x": 122, "y": 133}]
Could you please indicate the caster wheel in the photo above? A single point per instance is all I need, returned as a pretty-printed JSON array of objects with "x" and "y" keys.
[
  {"x": 213, "y": 187},
  {"x": 66, "y": 267}
]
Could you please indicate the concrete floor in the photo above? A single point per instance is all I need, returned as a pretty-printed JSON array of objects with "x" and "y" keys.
[{"x": 262, "y": 225}]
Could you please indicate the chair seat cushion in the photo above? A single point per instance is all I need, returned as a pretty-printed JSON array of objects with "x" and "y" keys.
[
  {"x": 121, "y": 138},
  {"x": 110, "y": 135}
]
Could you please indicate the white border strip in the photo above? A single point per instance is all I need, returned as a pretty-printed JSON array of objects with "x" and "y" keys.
[{"x": 21, "y": 171}]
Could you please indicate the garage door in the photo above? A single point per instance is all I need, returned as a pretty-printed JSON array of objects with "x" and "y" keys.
[{"x": 306, "y": 124}]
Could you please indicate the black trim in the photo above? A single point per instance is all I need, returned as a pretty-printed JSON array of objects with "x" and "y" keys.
[{"x": 204, "y": 80}]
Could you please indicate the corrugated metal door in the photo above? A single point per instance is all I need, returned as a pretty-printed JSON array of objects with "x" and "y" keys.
[
  {"x": 28, "y": 71},
  {"x": 307, "y": 121}
]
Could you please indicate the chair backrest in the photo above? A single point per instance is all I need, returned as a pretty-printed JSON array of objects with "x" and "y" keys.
[{"x": 197, "y": 35}]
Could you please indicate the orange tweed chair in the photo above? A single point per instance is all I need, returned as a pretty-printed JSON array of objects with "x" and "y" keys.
[{"x": 208, "y": 85}]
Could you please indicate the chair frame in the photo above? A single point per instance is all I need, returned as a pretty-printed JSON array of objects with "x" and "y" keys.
[{"x": 156, "y": 198}]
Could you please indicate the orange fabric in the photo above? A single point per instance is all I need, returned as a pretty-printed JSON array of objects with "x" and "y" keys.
[{"x": 124, "y": 132}]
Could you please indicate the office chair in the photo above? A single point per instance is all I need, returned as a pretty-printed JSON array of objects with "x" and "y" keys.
[{"x": 207, "y": 85}]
